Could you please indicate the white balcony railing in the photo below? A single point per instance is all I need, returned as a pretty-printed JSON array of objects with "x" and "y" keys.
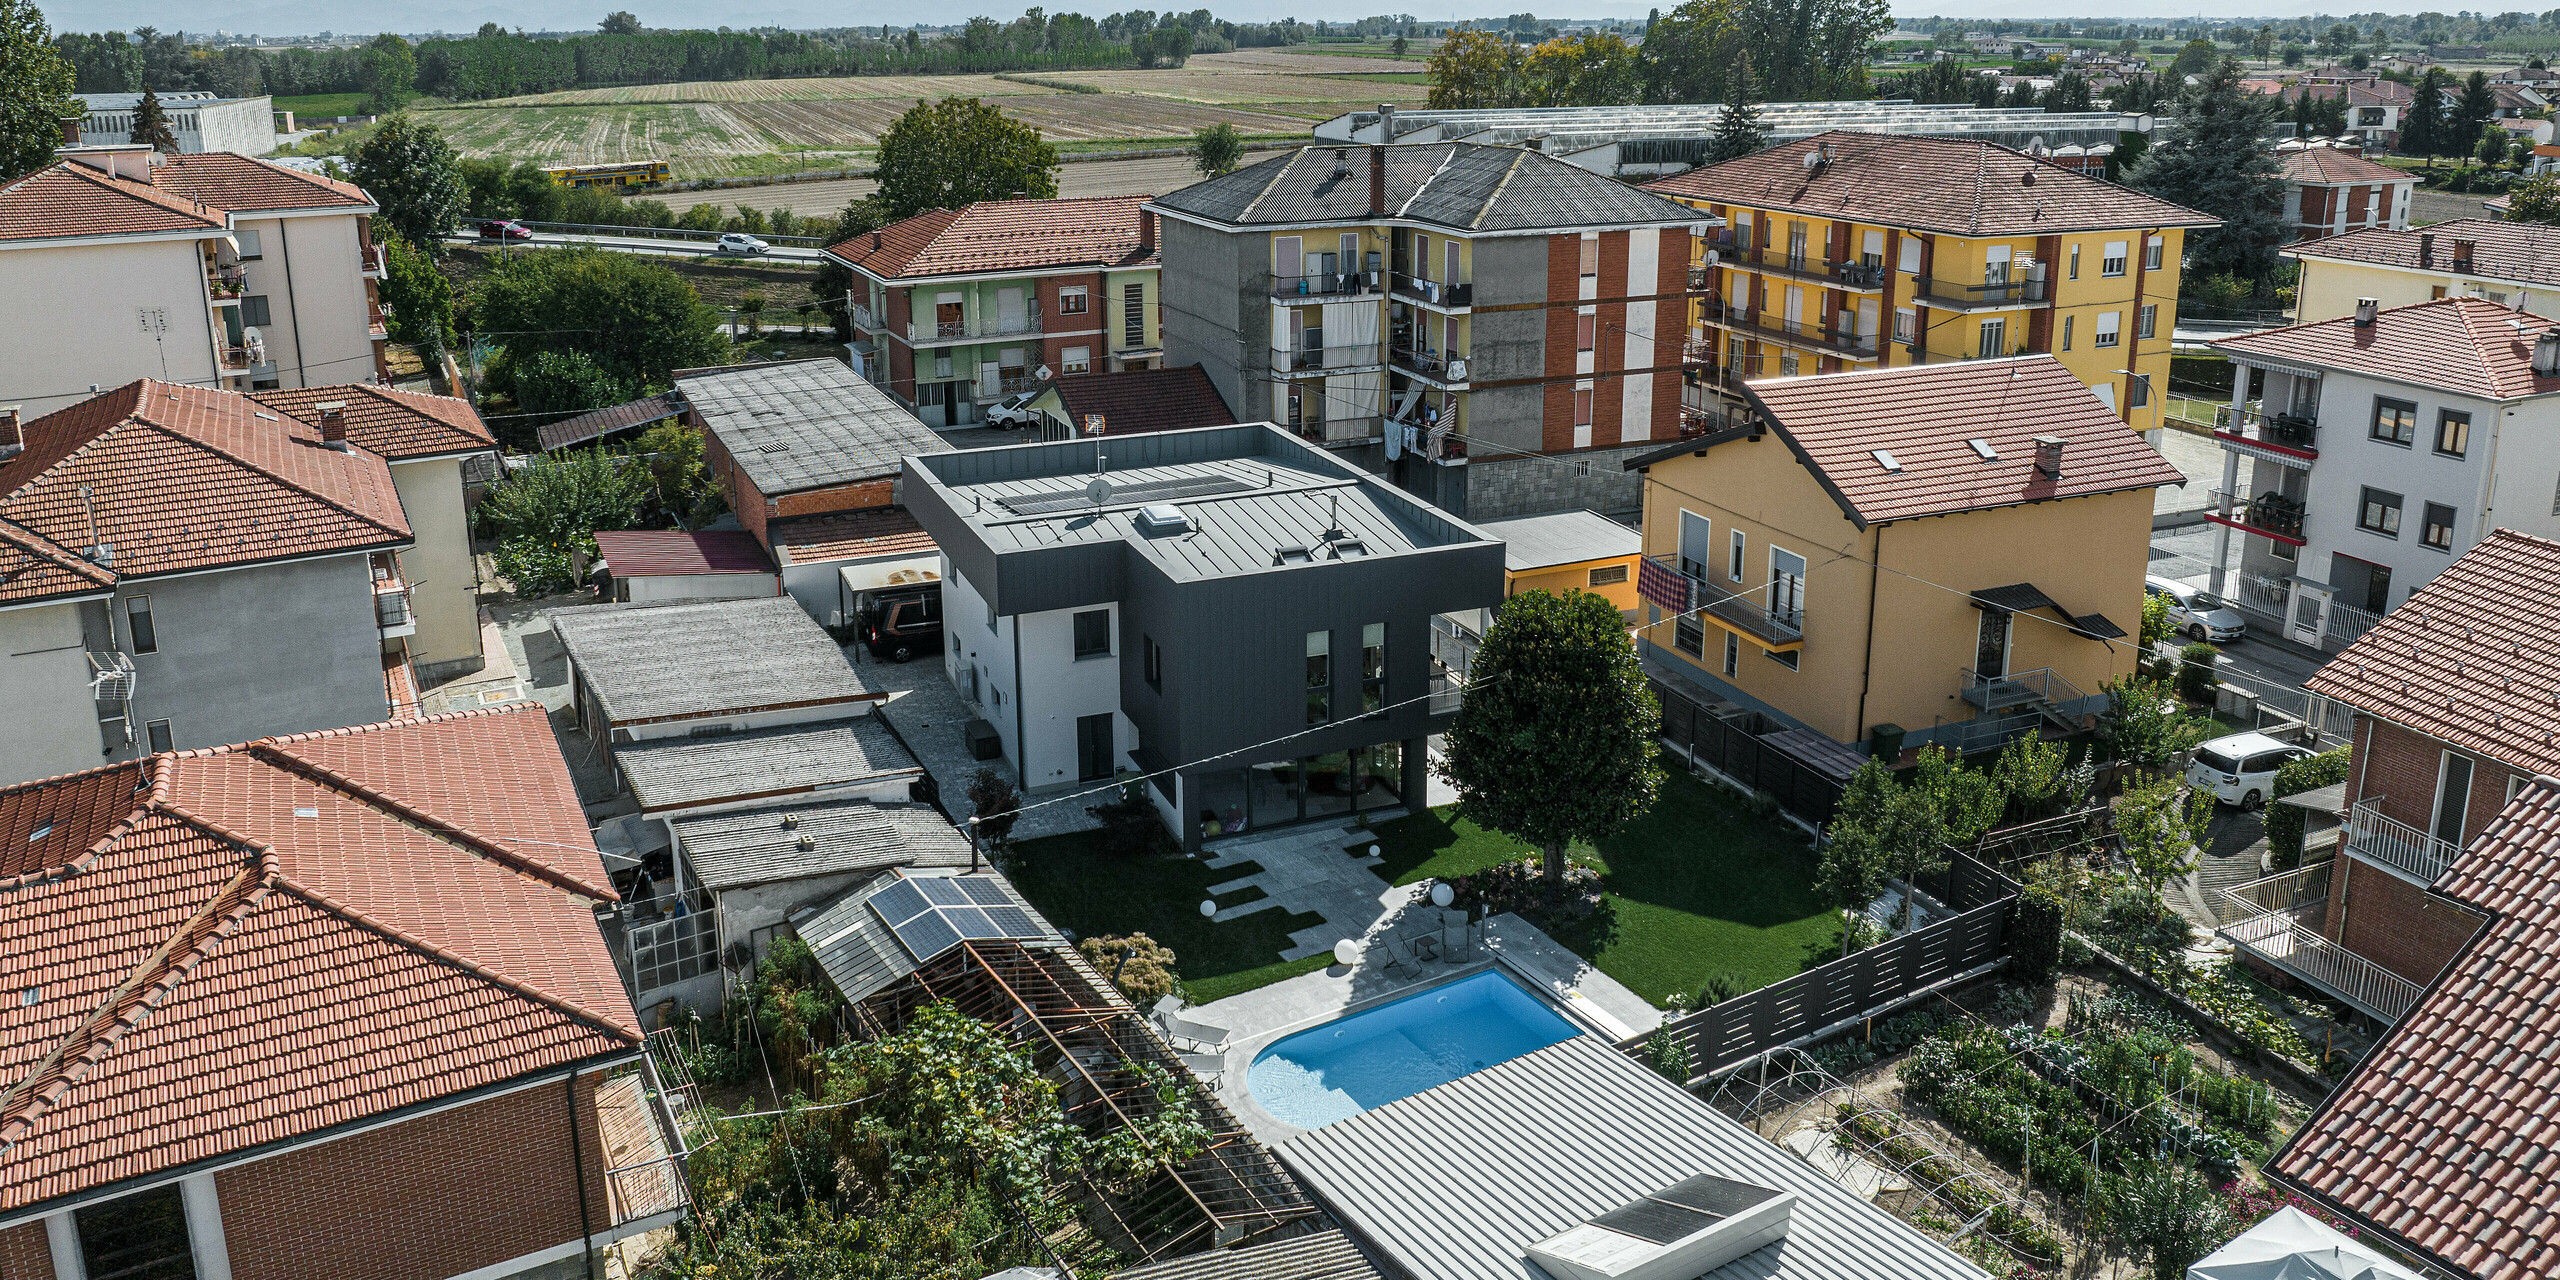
[
  {"x": 2377, "y": 838},
  {"x": 2266, "y": 918}
]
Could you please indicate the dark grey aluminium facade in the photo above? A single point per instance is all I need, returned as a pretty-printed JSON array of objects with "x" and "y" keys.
[
  {"x": 1448, "y": 315},
  {"x": 1166, "y": 602}
]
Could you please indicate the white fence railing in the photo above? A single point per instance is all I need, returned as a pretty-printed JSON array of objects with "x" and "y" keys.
[
  {"x": 2265, "y": 919},
  {"x": 2377, "y": 838}
]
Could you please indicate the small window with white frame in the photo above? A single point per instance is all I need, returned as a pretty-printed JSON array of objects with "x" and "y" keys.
[
  {"x": 1073, "y": 300},
  {"x": 1075, "y": 360},
  {"x": 2153, "y": 252},
  {"x": 2146, "y": 321},
  {"x": 2112, "y": 263},
  {"x": 2110, "y": 329}
]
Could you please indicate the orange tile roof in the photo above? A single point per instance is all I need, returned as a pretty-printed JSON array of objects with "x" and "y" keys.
[
  {"x": 71, "y": 199},
  {"x": 2443, "y": 1137},
  {"x": 994, "y": 236},
  {"x": 395, "y": 424},
  {"x": 184, "y": 478},
  {"x": 33, "y": 568},
  {"x": 2469, "y": 346},
  {"x": 1140, "y": 400},
  {"x": 2469, "y": 657},
  {"x": 2332, "y": 167},
  {"x": 235, "y": 948},
  {"x": 229, "y": 180},
  {"x": 1925, "y": 415},
  {"x": 2528, "y": 252},
  {"x": 1930, "y": 184},
  {"x": 851, "y": 535}
]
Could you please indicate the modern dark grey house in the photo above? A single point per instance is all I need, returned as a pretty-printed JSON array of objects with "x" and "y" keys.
[
  {"x": 1450, "y": 315},
  {"x": 1167, "y": 601}
]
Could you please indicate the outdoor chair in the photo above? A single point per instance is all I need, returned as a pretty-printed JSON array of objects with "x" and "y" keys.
[
  {"x": 1207, "y": 1035},
  {"x": 1424, "y": 947},
  {"x": 1396, "y": 961},
  {"x": 1207, "y": 1066}
]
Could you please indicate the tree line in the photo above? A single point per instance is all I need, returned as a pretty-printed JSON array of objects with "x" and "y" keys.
[{"x": 1702, "y": 51}]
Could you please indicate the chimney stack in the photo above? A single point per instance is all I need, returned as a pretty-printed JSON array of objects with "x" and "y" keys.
[
  {"x": 2427, "y": 249},
  {"x": 1146, "y": 231},
  {"x": 1378, "y": 182},
  {"x": 71, "y": 131},
  {"x": 333, "y": 424},
  {"x": 2462, "y": 254},
  {"x": 13, "y": 437},
  {"x": 2546, "y": 355},
  {"x": 1387, "y": 123},
  {"x": 2049, "y": 456},
  {"x": 2366, "y": 310}
]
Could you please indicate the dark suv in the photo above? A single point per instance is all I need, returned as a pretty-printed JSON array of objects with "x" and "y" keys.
[{"x": 898, "y": 625}]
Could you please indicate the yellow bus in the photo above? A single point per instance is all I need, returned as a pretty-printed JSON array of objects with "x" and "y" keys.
[{"x": 636, "y": 173}]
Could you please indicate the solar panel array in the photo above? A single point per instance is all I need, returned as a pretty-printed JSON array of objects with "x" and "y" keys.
[
  {"x": 1042, "y": 504},
  {"x": 932, "y": 914}
]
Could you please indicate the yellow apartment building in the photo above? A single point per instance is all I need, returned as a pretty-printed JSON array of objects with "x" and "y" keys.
[
  {"x": 1849, "y": 251},
  {"x": 1956, "y": 549}
]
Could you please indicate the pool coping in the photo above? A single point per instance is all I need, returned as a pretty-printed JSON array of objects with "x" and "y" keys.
[{"x": 1236, "y": 1091}]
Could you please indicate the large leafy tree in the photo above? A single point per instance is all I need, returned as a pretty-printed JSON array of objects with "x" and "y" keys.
[
  {"x": 1598, "y": 70},
  {"x": 414, "y": 175},
  {"x": 419, "y": 297},
  {"x": 151, "y": 125},
  {"x": 1739, "y": 129},
  {"x": 1217, "y": 150},
  {"x": 2215, "y": 160},
  {"x": 35, "y": 91},
  {"x": 2536, "y": 201},
  {"x": 2473, "y": 108},
  {"x": 2426, "y": 126},
  {"x": 1804, "y": 50},
  {"x": 958, "y": 151},
  {"x": 631, "y": 316},
  {"x": 1474, "y": 69},
  {"x": 1557, "y": 737},
  {"x": 390, "y": 73}
]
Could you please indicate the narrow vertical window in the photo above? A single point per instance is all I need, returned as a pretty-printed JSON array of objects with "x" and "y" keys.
[
  {"x": 157, "y": 732},
  {"x": 146, "y": 637},
  {"x": 1373, "y": 666},
  {"x": 1319, "y": 677}
]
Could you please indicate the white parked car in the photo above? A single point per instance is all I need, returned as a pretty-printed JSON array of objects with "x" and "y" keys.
[
  {"x": 2241, "y": 769},
  {"x": 1013, "y": 411},
  {"x": 739, "y": 242},
  {"x": 2196, "y": 613}
]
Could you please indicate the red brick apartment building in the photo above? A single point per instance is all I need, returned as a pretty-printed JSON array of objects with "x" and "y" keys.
[
  {"x": 2456, "y": 705},
  {"x": 332, "y": 1005}
]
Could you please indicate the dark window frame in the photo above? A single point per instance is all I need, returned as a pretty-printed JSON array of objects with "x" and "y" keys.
[
  {"x": 2374, "y": 430},
  {"x": 2388, "y": 525},
  {"x": 152, "y": 1224},
  {"x": 256, "y": 311},
  {"x": 2448, "y": 418},
  {"x": 1154, "y": 661},
  {"x": 1087, "y": 646},
  {"x": 1319, "y": 671},
  {"x": 2429, "y": 526},
  {"x": 140, "y": 627}
]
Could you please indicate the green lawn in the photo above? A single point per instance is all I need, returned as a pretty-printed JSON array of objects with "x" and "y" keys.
[
  {"x": 1079, "y": 887},
  {"x": 323, "y": 104},
  {"x": 1698, "y": 887}
]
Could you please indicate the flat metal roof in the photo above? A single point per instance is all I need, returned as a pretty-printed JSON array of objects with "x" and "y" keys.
[
  {"x": 1561, "y": 537},
  {"x": 703, "y": 657}
]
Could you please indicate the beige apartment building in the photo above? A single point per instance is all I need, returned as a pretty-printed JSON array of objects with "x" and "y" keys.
[
  {"x": 2513, "y": 264},
  {"x": 209, "y": 269}
]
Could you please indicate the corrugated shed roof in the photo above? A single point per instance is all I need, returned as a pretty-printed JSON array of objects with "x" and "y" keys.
[
  {"x": 1562, "y": 537},
  {"x": 861, "y": 956},
  {"x": 2330, "y": 166},
  {"x": 1453, "y": 1183},
  {"x": 2443, "y": 1136},
  {"x": 1460, "y": 185},
  {"x": 68, "y": 198},
  {"x": 2469, "y": 346},
  {"x": 2469, "y": 657},
  {"x": 599, "y": 423},
  {"x": 804, "y": 424},
  {"x": 775, "y": 843},
  {"x": 677, "y": 773},
  {"x": 33, "y": 568},
  {"x": 223, "y": 963},
  {"x": 1141, "y": 400},
  {"x": 643, "y": 553},
  {"x": 243, "y": 184},
  {"x": 2525, "y": 252},
  {"x": 1925, "y": 417},
  {"x": 1963, "y": 188},
  {"x": 186, "y": 478},
  {"x": 698, "y": 658},
  {"x": 1320, "y": 1255},
  {"x": 997, "y": 236},
  {"x": 850, "y": 535},
  {"x": 393, "y": 423}
]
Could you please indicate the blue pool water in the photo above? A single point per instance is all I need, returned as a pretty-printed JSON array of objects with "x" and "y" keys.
[{"x": 1374, "y": 1057}]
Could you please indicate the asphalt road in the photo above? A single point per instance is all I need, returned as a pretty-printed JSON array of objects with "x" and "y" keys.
[
  {"x": 647, "y": 245},
  {"x": 2275, "y": 669}
]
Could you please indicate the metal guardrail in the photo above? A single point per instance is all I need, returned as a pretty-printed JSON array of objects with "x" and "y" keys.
[
  {"x": 2255, "y": 424},
  {"x": 2267, "y": 921},
  {"x": 472, "y": 228},
  {"x": 2379, "y": 838},
  {"x": 1438, "y": 293},
  {"x": 1325, "y": 284}
]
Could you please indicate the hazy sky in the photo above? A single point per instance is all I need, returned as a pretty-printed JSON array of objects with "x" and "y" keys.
[{"x": 290, "y": 17}]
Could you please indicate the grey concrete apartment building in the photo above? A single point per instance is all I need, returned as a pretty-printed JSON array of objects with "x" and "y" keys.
[
  {"x": 1456, "y": 317},
  {"x": 1164, "y": 602}
]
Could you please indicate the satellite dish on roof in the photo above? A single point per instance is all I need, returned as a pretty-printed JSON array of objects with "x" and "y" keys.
[{"x": 1098, "y": 492}]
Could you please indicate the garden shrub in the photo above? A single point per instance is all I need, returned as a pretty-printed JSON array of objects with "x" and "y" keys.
[
  {"x": 539, "y": 566},
  {"x": 2035, "y": 933},
  {"x": 2284, "y": 821},
  {"x": 1139, "y": 965},
  {"x": 2197, "y": 672},
  {"x": 1666, "y": 1055},
  {"x": 1722, "y": 987},
  {"x": 1131, "y": 827}
]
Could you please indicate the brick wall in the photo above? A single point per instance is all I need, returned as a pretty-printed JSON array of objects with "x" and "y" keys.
[
  {"x": 2394, "y": 923},
  {"x": 422, "y": 1200},
  {"x": 1564, "y": 284},
  {"x": 2402, "y": 768},
  {"x": 24, "y": 1253},
  {"x": 1609, "y": 342}
]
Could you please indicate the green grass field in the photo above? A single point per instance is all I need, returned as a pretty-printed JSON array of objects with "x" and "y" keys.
[
  {"x": 323, "y": 104},
  {"x": 1080, "y": 887},
  {"x": 1698, "y": 887}
]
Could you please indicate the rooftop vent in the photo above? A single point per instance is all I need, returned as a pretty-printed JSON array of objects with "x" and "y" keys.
[
  {"x": 2049, "y": 456},
  {"x": 1884, "y": 458},
  {"x": 1341, "y": 163},
  {"x": 1686, "y": 1229},
  {"x": 2427, "y": 249},
  {"x": 1346, "y": 548},
  {"x": 1292, "y": 555},
  {"x": 333, "y": 423},
  {"x": 1163, "y": 518},
  {"x": 1982, "y": 449},
  {"x": 2366, "y": 310},
  {"x": 2546, "y": 354}
]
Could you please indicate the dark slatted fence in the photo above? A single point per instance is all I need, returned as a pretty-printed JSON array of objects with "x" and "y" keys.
[{"x": 1731, "y": 749}]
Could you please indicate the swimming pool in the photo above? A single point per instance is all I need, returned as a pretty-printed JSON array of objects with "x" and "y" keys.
[{"x": 1323, "y": 1074}]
